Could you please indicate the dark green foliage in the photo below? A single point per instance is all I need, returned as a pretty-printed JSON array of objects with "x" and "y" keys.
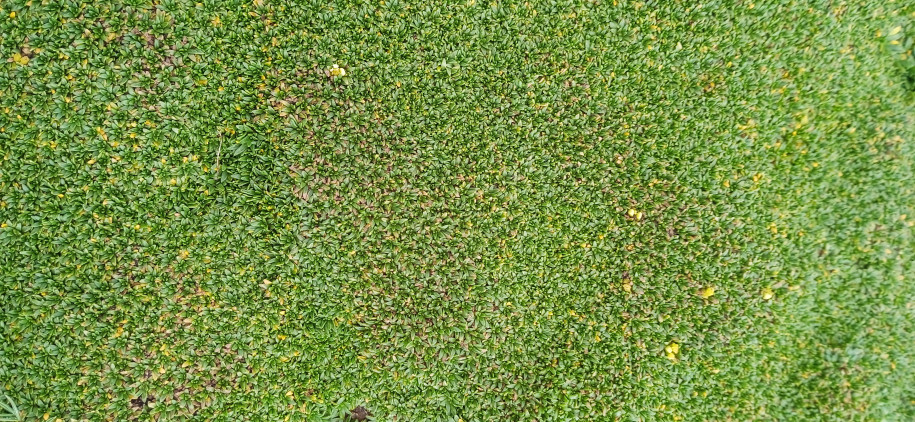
[{"x": 523, "y": 210}]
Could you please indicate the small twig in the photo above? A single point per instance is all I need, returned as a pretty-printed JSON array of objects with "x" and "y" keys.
[{"x": 218, "y": 152}]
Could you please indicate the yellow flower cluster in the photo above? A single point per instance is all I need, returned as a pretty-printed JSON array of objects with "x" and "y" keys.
[
  {"x": 672, "y": 351},
  {"x": 20, "y": 59},
  {"x": 337, "y": 71}
]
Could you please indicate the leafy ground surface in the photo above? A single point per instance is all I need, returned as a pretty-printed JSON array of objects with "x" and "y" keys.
[{"x": 202, "y": 219}]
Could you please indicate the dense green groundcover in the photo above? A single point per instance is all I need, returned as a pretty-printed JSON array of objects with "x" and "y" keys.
[{"x": 202, "y": 218}]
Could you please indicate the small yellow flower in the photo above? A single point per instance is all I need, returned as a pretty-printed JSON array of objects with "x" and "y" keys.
[
  {"x": 707, "y": 292},
  {"x": 597, "y": 338},
  {"x": 337, "y": 71},
  {"x": 20, "y": 59},
  {"x": 635, "y": 214},
  {"x": 767, "y": 293},
  {"x": 672, "y": 350},
  {"x": 12, "y": 15}
]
